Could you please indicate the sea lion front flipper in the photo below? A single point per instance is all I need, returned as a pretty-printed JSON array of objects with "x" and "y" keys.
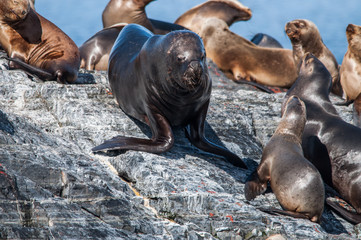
[
  {"x": 352, "y": 217},
  {"x": 254, "y": 186},
  {"x": 162, "y": 139},
  {"x": 197, "y": 138},
  {"x": 254, "y": 84}
]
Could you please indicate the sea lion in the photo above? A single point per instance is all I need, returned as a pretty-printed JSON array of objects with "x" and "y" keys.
[
  {"x": 36, "y": 45},
  {"x": 297, "y": 184},
  {"x": 357, "y": 111},
  {"x": 244, "y": 59},
  {"x": 94, "y": 53},
  {"x": 265, "y": 40},
  {"x": 305, "y": 37},
  {"x": 229, "y": 11},
  {"x": 163, "y": 81},
  {"x": 351, "y": 65},
  {"x": 330, "y": 143},
  {"x": 133, "y": 11}
]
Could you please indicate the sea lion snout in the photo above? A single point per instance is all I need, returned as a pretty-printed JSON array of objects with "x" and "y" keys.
[
  {"x": 350, "y": 28},
  {"x": 194, "y": 73}
]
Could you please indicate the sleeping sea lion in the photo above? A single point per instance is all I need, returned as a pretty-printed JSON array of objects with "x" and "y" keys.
[
  {"x": 296, "y": 183},
  {"x": 163, "y": 81},
  {"x": 229, "y": 11},
  {"x": 330, "y": 143},
  {"x": 133, "y": 11},
  {"x": 244, "y": 59},
  {"x": 305, "y": 37},
  {"x": 36, "y": 45}
]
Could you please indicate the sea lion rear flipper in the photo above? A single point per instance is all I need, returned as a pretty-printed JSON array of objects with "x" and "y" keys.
[
  {"x": 197, "y": 138},
  {"x": 161, "y": 141},
  {"x": 275, "y": 211},
  {"x": 31, "y": 70},
  {"x": 254, "y": 186},
  {"x": 352, "y": 217}
]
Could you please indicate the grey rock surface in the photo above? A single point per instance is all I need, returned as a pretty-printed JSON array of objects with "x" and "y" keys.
[{"x": 53, "y": 187}]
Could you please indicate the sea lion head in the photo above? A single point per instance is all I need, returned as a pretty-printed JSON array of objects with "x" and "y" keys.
[
  {"x": 314, "y": 80},
  {"x": 186, "y": 59},
  {"x": 14, "y": 10},
  {"x": 235, "y": 12},
  {"x": 353, "y": 34},
  {"x": 301, "y": 30},
  {"x": 293, "y": 116}
]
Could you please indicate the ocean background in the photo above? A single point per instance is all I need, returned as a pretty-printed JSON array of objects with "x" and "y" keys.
[{"x": 81, "y": 19}]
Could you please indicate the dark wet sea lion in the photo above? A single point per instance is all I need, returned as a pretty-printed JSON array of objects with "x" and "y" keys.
[
  {"x": 233, "y": 53},
  {"x": 163, "y": 81},
  {"x": 296, "y": 183},
  {"x": 94, "y": 53},
  {"x": 265, "y": 40},
  {"x": 351, "y": 65},
  {"x": 357, "y": 111},
  {"x": 133, "y": 11},
  {"x": 330, "y": 143},
  {"x": 36, "y": 45},
  {"x": 229, "y": 11},
  {"x": 305, "y": 37}
]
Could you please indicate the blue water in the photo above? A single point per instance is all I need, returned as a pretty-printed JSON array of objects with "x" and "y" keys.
[{"x": 82, "y": 18}]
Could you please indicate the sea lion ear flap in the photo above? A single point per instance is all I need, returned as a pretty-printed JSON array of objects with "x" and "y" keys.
[{"x": 254, "y": 186}]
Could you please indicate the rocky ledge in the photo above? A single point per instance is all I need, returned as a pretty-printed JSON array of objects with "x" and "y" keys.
[{"x": 53, "y": 187}]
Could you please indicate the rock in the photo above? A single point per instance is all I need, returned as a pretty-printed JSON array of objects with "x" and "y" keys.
[{"x": 52, "y": 186}]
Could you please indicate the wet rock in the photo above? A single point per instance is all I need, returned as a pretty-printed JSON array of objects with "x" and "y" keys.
[{"x": 52, "y": 186}]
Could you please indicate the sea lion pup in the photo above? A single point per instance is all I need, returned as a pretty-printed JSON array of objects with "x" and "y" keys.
[
  {"x": 94, "y": 53},
  {"x": 296, "y": 183},
  {"x": 265, "y": 40},
  {"x": 229, "y": 11},
  {"x": 163, "y": 81},
  {"x": 351, "y": 65},
  {"x": 244, "y": 59},
  {"x": 305, "y": 37},
  {"x": 36, "y": 45},
  {"x": 133, "y": 11},
  {"x": 330, "y": 143}
]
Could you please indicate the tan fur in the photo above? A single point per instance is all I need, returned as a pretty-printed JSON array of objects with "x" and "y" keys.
[
  {"x": 305, "y": 37},
  {"x": 268, "y": 66},
  {"x": 351, "y": 64},
  {"x": 229, "y": 11}
]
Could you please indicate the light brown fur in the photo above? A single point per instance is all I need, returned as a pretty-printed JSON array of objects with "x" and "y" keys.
[
  {"x": 351, "y": 64},
  {"x": 229, "y": 11},
  {"x": 268, "y": 66},
  {"x": 305, "y": 37}
]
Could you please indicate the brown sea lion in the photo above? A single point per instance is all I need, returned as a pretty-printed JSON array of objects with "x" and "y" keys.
[
  {"x": 244, "y": 59},
  {"x": 133, "y": 11},
  {"x": 229, "y": 11},
  {"x": 305, "y": 37},
  {"x": 94, "y": 53},
  {"x": 330, "y": 143},
  {"x": 351, "y": 65},
  {"x": 168, "y": 75},
  {"x": 36, "y": 45},
  {"x": 297, "y": 184}
]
